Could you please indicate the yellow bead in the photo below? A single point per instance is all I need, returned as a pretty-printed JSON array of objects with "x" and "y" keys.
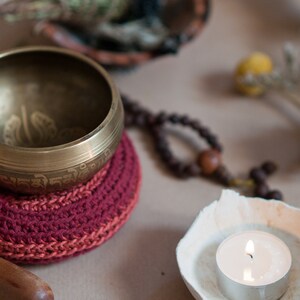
[{"x": 257, "y": 63}]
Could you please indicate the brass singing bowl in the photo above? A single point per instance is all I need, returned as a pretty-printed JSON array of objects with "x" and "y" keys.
[{"x": 61, "y": 119}]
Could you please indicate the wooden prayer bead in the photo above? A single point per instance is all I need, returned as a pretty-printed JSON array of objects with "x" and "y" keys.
[{"x": 209, "y": 161}]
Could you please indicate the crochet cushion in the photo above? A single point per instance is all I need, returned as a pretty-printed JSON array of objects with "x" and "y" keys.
[{"x": 48, "y": 228}]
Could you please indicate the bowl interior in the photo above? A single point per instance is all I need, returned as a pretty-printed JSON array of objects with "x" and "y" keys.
[{"x": 49, "y": 98}]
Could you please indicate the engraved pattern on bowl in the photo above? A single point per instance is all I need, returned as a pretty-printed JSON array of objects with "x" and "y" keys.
[{"x": 37, "y": 131}]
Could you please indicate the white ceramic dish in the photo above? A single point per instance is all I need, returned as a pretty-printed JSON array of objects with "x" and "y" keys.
[{"x": 233, "y": 213}]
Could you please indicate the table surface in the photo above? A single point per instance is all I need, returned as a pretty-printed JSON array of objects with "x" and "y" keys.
[{"x": 139, "y": 261}]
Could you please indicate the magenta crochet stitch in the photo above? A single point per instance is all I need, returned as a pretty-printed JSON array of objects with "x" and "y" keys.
[{"x": 48, "y": 228}]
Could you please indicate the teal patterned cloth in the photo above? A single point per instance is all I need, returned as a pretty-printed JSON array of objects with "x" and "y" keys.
[{"x": 115, "y": 25}]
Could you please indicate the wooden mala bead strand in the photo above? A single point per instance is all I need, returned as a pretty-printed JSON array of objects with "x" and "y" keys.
[{"x": 209, "y": 161}]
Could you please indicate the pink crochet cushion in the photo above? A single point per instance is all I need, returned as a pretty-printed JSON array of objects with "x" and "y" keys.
[{"x": 49, "y": 228}]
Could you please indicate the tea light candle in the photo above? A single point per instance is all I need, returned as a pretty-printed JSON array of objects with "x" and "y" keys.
[{"x": 253, "y": 265}]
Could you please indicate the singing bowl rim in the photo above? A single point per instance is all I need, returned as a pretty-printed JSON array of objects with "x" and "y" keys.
[{"x": 83, "y": 149}]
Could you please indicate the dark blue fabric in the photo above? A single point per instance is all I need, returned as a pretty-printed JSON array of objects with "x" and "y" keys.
[{"x": 146, "y": 8}]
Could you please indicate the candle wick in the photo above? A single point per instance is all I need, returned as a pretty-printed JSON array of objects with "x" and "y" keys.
[{"x": 250, "y": 255}]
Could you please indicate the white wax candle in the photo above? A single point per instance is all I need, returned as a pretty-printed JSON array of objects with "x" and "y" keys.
[{"x": 253, "y": 265}]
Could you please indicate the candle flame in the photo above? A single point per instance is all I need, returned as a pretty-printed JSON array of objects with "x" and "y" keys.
[
  {"x": 250, "y": 248},
  {"x": 248, "y": 275}
]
